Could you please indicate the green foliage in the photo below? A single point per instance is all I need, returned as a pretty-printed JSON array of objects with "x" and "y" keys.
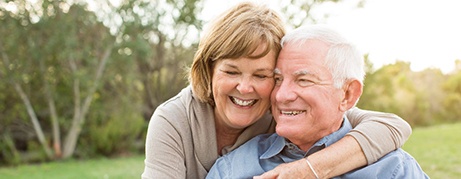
[
  {"x": 35, "y": 153},
  {"x": 417, "y": 97},
  {"x": 54, "y": 52},
  {"x": 115, "y": 131},
  {"x": 452, "y": 101},
  {"x": 9, "y": 152}
]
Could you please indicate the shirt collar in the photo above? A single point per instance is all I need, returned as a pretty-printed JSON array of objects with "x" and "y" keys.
[
  {"x": 276, "y": 147},
  {"x": 335, "y": 136},
  {"x": 279, "y": 143}
]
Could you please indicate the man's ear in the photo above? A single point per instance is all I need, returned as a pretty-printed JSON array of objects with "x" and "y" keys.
[{"x": 352, "y": 92}]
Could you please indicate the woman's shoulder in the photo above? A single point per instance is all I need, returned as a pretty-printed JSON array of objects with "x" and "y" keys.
[
  {"x": 182, "y": 108},
  {"x": 183, "y": 96}
]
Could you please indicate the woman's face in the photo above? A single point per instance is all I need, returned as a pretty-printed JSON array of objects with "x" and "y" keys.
[{"x": 241, "y": 90}]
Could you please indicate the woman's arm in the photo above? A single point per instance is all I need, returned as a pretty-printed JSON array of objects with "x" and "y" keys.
[
  {"x": 163, "y": 157},
  {"x": 375, "y": 134}
]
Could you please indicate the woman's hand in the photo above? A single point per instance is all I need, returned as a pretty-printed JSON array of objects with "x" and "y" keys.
[{"x": 296, "y": 169}]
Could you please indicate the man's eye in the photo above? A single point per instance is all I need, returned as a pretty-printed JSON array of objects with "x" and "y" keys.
[
  {"x": 278, "y": 80},
  {"x": 305, "y": 82}
]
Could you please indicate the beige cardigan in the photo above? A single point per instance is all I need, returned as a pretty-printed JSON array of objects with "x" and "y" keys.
[{"x": 181, "y": 138}]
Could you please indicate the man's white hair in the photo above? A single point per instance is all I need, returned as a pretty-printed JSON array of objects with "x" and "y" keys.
[{"x": 343, "y": 59}]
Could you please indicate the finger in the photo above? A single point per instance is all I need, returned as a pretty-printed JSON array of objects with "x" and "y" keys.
[{"x": 268, "y": 175}]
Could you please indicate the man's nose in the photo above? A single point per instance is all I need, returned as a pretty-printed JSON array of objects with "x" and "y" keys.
[{"x": 285, "y": 92}]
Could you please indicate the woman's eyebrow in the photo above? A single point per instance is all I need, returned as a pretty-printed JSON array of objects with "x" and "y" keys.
[{"x": 230, "y": 65}]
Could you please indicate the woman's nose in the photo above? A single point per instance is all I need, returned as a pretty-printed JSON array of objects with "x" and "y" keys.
[{"x": 245, "y": 85}]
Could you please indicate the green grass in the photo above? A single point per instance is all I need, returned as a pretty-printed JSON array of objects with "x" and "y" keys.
[
  {"x": 437, "y": 150},
  {"x": 120, "y": 168}
]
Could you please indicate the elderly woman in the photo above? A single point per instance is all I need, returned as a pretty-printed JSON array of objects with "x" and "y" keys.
[{"x": 228, "y": 101}]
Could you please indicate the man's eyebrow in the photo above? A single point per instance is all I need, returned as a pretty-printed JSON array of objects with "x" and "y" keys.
[
  {"x": 302, "y": 72},
  {"x": 277, "y": 71},
  {"x": 306, "y": 72}
]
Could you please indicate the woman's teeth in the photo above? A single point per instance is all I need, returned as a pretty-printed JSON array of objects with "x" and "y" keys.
[{"x": 243, "y": 102}]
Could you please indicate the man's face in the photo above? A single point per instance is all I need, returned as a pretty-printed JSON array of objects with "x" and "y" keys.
[{"x": 305, "y": 103}]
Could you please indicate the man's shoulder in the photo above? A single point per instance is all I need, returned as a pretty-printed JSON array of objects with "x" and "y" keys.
[
  {"x": 243, "y": 162},
  {"x": 252, "y": 148},
  {"x": 401, "y": 165},
  {"x": 397, "y": 156},
  {"x": 258, "y": 143}
]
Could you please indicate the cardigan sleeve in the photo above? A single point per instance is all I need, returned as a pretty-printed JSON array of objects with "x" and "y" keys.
[
  {"x": 377, "y": 133},
  {"x": 164, "y": 157}
]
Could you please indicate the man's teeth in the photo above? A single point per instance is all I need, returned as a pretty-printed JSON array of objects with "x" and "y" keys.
[
  {"x": 292, "y": 113},
  {"x": 243, "y": 102}
]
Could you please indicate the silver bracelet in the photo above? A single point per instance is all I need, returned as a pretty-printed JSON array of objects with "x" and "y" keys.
[{"x": 312, "y": 168}]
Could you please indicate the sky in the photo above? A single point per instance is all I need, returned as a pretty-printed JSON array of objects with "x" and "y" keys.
[{"x": 426, "y": 33}]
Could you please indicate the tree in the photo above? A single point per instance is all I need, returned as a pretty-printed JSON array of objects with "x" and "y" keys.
[
  {"x": 18, "y": 71},
  {"x": 158, "y": 37},
  {"x": 67, "y": 43},
  {"x": 415, "y": 96},
  {"x": 299, "y": 12},
  {"x": 452, "y": 101},
  {"x": 57, "y": 53}
]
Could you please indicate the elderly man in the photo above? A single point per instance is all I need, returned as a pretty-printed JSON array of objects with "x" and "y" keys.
[{"x": 318, "y": 77}]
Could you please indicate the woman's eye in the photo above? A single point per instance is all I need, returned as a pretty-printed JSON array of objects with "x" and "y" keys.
[
  {"x": 261, "y": 76},
  {"x": 231, "y": 72}
]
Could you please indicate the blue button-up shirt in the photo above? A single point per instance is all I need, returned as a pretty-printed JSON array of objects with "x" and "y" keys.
[{"x": 266, "y": 151}]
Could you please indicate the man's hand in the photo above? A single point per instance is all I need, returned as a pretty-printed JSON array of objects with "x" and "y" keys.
[{"x": 296, "y": 169}]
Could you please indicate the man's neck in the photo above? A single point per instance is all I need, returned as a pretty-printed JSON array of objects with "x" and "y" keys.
[{"x": 307, "y": 145}]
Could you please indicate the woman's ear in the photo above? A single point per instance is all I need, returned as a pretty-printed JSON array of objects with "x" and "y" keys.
[{"x": 352, "y": 91}]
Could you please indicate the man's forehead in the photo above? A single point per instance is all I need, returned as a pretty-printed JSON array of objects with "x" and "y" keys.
[{"x": 298, "y": 72}]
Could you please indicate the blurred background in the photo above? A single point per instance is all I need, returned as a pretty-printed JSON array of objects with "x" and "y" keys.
[{"x": 79, "y": 79}]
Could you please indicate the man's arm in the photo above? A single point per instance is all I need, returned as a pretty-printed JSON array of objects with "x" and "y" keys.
[{"x": 375, "y": 134}]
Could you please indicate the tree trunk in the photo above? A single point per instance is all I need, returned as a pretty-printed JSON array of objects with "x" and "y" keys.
[
  {"x": 80, "y": 111},
  {"x": 34, "y": 119},
  {"x": 30, "y": 109},
  {"x": 54, "y": 114}
]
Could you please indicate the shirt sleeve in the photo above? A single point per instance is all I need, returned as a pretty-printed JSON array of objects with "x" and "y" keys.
[
  {"x": 164, "y": 159},
  {"x": 396, "y": 164},
  {"x": 377, "y": 133}
]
